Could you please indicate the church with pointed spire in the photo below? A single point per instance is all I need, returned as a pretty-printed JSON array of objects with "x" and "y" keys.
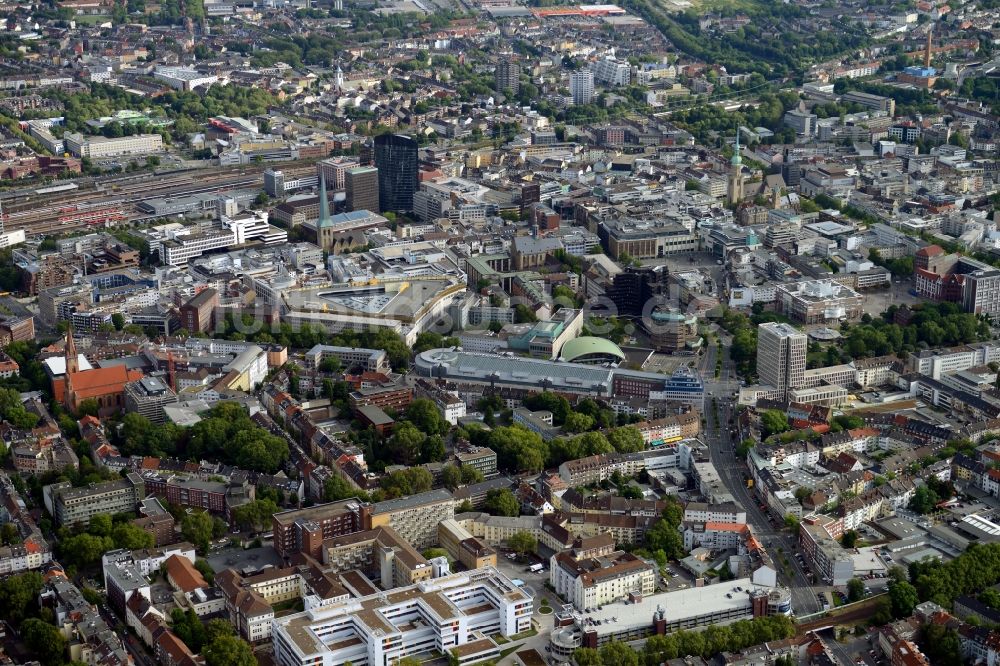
[
  {"x": 104, "y": 385},
  {"x": 735, "y": 182}
]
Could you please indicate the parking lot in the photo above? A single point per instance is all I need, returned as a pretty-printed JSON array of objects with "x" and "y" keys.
[
  {"x": 676, "y": 578},
  {"x": 534, "y": 582},
  {"x": 237, "y": 558},
  {"x": 667, "y": 363}
]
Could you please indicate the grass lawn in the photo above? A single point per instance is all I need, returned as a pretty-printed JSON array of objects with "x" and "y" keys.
[
  {"x": 91, "y": 19},
  {"x": 525, "y": 634},
  {"x": 507, "y": 651}
]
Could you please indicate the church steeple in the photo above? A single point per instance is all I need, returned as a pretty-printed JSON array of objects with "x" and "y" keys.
[
  {"x": 72, "y": 358},
  {"x": 324, "y": 203}
]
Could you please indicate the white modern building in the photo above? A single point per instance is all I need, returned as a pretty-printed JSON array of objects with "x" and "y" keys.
[
  {"x": 612, "y": 72},
  {"x": 443, "y": 614},
  {"x": 97, "y": 147},
  {"x": 581, "y": 86},
  {"x": 179, "y": 245},
  {"x": 781, "y": 355},
  {"x": 183, "y": 78}
]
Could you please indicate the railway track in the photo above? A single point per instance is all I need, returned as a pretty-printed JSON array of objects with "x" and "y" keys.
[{"x": 40, "y": 215}]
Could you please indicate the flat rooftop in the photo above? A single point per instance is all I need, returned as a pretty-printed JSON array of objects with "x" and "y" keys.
[
  {"x": 318, "y": 512},
  {"x": 682, "y": 604},
  {"x": 398, "y": 299},
  {"x": 535, "y": 372}
]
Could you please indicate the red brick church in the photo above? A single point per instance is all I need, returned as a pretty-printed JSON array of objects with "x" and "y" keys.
[{"x": 105, "y": 385}]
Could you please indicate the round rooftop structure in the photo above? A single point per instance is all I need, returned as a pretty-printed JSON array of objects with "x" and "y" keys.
[
  {"x": 588, "y": 349},
  {"x": 824, "y": 334}
]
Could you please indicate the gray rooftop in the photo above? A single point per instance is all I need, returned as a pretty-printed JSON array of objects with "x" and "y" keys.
[
  {"x": 420, "y": 499},
  {"x": 537, "y": 373}
]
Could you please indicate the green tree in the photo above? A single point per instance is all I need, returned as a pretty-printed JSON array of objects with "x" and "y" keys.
[
  {"x": 337, "y": 488},
  {"x": 923, "y": 501},
  {"x": 855, "y": 590},
  {"x": 84, "y": 550},
  {"x": 626, "y": 439},
  {"x": 255, "y": 515},
  {"x": 401, "y": 483},
  {"x": 44, "y": 641},
  {"x": 101, "y": 525},
  {"x": 577, "y": 422},
  {"x": 773, "y": 421},
  {"x": 88, "y": 407},
  {"x": 206, "y": 570},
  {"x": 990, "y": 597},
  {"x": 618, "y": 654},
  {"x": 501, "y": 502},
  {"x": 9, "y": 534},
  {"x": 849, "y": 539},
  {"x": 19, "y": 596},
  {"x": 132, "y": 537},
  {"x": 522, "y": 543},
  {"x": 666, "y": 537},
  {"x": 404, "y": 447},
  {"x": 451, "y": 477},
  {"x": 424, "y": 414},
  {"x": 941, "y": 645},
  {"x": 432, "y": 449},
  {"x": 118, "y": 320},
  {"x": 196, "y": 528},
  {"x": 524, "y": 315},
  {"x": 903, "y": 598},
  {"x": 587, "y": 657},
  {"x": 228, "y": 650},
  {"x": 470, "y": 475},
  {"x": 792, "y": 523},
  {"x": 189, "y": 628}
]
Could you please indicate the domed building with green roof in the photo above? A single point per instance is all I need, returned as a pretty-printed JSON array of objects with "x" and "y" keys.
[{"x": 592, "y": 351}]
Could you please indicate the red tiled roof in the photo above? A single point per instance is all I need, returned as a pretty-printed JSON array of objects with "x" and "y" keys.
[{"x": 183, "y": 574}]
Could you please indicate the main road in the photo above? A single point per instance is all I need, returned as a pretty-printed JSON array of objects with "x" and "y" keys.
[{"x": 720, "y": 408}]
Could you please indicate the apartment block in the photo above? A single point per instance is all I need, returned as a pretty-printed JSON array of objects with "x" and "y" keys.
[
  {"x": 372, "y": 360},
  {"x": 381, "y": 553},
  {"x": 305, "y": 530},
  {"x": 76, "y": 506},
  {"x": 198, "y": 313},
  {"x": 478, "y": 457},
  {"x": 466, "y": 549},
  {"x": 415, "y": 518},
  {"x": 588, "y": 582},
  {"x": 781, "y": 355},
  {"x": 148, "y": 397}
]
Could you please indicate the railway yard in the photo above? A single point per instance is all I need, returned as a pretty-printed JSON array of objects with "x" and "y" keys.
[{"x": 112, "y": 201}]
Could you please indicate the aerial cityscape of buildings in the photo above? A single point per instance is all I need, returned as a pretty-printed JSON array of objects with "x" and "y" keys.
[{"x": 499, "y": 332}]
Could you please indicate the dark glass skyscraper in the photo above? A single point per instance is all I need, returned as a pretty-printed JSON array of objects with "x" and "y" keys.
[{"x": 396, "y": 160}]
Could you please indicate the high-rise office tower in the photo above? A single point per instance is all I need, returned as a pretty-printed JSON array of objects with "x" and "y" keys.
[
  {"x": 581, "y": 86},
  {"x": 508, "y": 74},
  {"x": 396, "y": 161},
  {"x": 781, "y": 356},
  {"x": 362, "y": 185}
]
